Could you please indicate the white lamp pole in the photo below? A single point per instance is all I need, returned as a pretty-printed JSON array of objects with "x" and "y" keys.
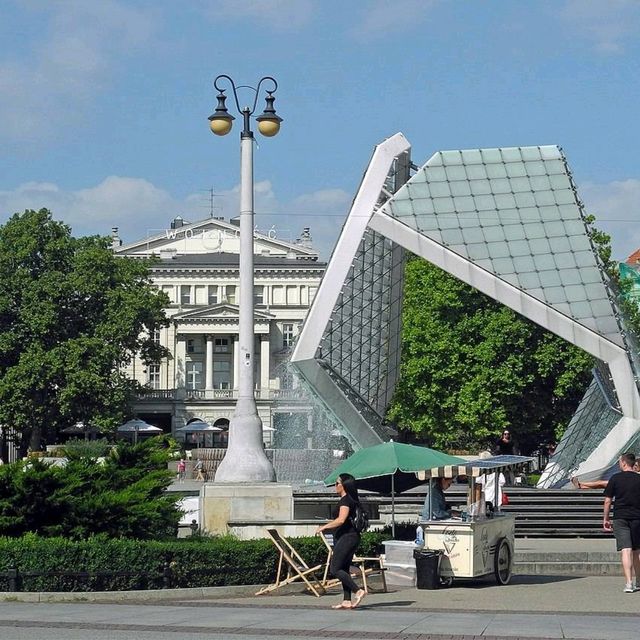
[{"x": 245, "y": 460}]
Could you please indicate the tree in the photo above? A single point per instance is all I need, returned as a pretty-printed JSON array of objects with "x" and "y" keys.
[
  {"x": 472, "y": 367},
  {"x": 122, "y": 496},
  {"x": 72, "y": 315}
]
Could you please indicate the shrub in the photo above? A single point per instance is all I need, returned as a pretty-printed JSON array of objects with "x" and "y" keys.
[
  {"x": 123, "y": 564},
  {"x": 124, "y": 497}
]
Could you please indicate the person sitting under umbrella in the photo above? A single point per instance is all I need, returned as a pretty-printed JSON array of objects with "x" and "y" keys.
[{"x": 439, "y": 508}]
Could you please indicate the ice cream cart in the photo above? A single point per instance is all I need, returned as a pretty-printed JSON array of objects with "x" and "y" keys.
[{"x": 480, "y": 542}]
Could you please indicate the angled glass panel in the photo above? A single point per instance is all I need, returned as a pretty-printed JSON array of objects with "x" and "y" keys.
[{"x": 527, "y": 193}]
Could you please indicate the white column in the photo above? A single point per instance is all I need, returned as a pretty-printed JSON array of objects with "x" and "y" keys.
[
  {"x": 236, "y": 360},
  {"x": 264, "y": 366},
  {"x": 167, "y": 375},
  {"x": 209, "y": 363},
  {"x": 181, "y": 359}
]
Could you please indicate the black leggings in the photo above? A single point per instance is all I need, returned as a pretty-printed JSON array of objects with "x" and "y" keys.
[{"x": 343, "y": 551}]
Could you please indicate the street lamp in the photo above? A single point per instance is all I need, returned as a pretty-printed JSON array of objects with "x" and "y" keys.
[{"x": 245, "y": 459}]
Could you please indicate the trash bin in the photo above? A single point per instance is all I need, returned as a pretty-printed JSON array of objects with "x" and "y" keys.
[{"x": 427, "y": 568}]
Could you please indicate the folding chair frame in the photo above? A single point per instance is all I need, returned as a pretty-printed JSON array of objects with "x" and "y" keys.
[
  {"x": 360, "y": 562},
  {"x": 297, "y": 568}
]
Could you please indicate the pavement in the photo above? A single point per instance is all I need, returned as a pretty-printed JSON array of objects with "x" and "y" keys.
[{"x": 531, "y": 606}]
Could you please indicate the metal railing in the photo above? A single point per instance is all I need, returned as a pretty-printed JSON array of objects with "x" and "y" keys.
[{"x": 220, "y": 394}]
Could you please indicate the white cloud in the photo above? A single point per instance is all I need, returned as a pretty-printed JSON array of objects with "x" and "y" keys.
[
  {"x": 59, "y": 77},
  {"x": 616, "y": 206},
  {"x": 323, "y": 211},
  {"x": 280, "y": 15},
  {"x": 140, "y": 209},
  {"x": 333, "y": 201},
  {"x": 133, "y": 204},
  {"x": 607, "y": 24},
  {"x": 381, "y": 17}
]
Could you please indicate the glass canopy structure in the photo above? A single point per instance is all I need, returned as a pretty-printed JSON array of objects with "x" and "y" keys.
[{"x": 509, "y": 223}]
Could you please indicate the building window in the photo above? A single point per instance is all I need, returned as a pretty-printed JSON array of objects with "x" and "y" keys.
[
  {"x": 221, "y": 374},
  {"x": 193, "y": 346},
  {"x": 200, "y": 294},
  {"x": 221, "y": 345},
  {"x": 231, "y": 293},
  {"x": 293, "y": 295},
  {"x": 213, "y": 294},
  {"x": 194, "y": 375},
  {"x": 287, "y": 335},
  {"x": 155, "y": 336},
  {"x": 277, "y": 293},
  {"x": 170, "y": 290},
  {"x": 154, "y": 376},
  {"x": 258, "y": 294},
  {"x": 185, "y": 294}
]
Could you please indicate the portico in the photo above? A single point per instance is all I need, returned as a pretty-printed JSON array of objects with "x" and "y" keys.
[{"x": 206, "y": 348}]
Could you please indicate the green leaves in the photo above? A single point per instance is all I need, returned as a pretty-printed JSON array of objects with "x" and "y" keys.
[
  {"x": 122, "y": 497},
  {"x": 472, "y": 367},
  {"x": 72, "y": 315}
]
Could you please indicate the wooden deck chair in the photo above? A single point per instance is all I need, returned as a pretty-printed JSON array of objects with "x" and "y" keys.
[
  {"x": 366, "y": 566},
  {"x": 296, "y": 567}
]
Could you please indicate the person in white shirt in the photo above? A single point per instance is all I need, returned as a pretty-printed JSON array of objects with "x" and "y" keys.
[{"x": 488, "y": 484}]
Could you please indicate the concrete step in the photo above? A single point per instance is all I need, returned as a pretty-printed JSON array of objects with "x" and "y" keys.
[{"x": 567, "y": 568}]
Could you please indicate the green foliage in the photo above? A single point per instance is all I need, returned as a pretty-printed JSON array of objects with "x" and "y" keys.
[
  {"x": 620, "y": 286},
  {"x": 122, "y": 497},
  {"x": 472, "y": 367},
  {"x": 198, "y": 562},
  {"x": 71, "y": 316},
  {"x": 81, "y": 448}
]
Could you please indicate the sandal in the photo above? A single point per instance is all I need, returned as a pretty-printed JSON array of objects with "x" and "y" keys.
[
  {"x": 342, "y": 605},
  {"x": 359, "y": 598}
]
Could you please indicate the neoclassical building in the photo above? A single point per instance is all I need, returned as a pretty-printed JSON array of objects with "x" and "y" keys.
[{"x": 198, "y": 269}]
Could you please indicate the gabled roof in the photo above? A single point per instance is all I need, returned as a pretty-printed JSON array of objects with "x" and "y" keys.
[
  {"x": 217, "y": 311},
  {"x": 208, "y": 236},
  {"x": 634, "y": 259}
]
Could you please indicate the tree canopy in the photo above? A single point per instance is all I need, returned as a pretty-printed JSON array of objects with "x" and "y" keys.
[
  {"x": 472, "y": 367},
  {"x": 72, "y": 315},
  {"x": 121, "y": 496}
]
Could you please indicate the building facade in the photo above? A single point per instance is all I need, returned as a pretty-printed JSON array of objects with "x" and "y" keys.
[{"x": 198, "y": 269}]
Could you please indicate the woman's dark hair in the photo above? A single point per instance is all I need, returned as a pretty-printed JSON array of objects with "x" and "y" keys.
[{"x": 349, "y": 484}]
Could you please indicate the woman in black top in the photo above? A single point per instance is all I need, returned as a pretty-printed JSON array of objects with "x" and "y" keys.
[{"x": 346, "y": 540}]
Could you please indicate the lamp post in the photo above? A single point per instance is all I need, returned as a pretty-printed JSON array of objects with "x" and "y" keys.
[{"x": 245, "y": 460}]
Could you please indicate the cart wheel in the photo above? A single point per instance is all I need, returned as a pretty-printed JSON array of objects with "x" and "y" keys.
[
  {"x": 446, "y": 581},
  {"x": 502, "y": 561}
]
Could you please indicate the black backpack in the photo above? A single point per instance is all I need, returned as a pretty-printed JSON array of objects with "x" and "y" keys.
[{"x": 359, "y": 518}]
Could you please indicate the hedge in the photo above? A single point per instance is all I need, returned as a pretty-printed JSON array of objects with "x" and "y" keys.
[{"x": 103, "y": 564}]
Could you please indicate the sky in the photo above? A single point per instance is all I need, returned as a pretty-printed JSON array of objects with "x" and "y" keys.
[{"x": 104, "y": 103}]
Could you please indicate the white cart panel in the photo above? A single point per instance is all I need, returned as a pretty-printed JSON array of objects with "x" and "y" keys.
[{"x": 468, "y": 547}]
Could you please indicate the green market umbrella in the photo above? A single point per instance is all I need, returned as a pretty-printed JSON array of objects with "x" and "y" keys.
[{"x": 391, "y": 468}]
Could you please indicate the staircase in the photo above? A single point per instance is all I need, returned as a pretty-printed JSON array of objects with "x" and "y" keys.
[
  {"x": 539, "y": 513},
  {"x": 556, "y": 513}
]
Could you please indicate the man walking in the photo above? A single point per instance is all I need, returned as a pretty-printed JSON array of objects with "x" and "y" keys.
[{"x": 624, "y": 489}]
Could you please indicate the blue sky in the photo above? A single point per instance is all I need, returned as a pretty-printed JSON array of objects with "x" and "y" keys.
[{"x": 104, "y": 103}]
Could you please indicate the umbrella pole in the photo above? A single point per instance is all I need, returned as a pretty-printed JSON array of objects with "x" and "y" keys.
[{"x": 393, "y": 507}]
